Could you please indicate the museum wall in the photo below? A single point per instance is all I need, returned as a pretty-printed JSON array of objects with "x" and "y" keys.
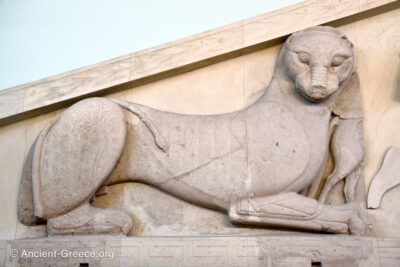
[{"x": 219, "y": 88}]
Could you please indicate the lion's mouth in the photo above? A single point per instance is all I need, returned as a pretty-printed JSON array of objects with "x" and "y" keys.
[{"x": 318, "y": 93}]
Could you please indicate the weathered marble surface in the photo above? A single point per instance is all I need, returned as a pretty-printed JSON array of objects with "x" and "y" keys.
[
  {"x": 252, "y": 164},
  {"x": 376, "y": 46},
  {"x": 250, "y": 251}
]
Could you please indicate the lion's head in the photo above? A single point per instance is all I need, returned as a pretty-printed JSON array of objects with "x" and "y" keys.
[{"x": 318, "y": 60}]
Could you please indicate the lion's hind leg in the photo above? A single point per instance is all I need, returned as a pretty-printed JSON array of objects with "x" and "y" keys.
[{"x": 75, "y": 158}]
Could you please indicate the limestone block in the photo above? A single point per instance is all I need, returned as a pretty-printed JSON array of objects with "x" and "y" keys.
[
  {"x": 12, "y": 152},
  {"x": 202, "y": 91}
]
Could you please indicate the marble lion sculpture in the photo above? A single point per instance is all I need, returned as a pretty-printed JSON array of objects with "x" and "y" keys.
[{"x": 254, "y": 164}]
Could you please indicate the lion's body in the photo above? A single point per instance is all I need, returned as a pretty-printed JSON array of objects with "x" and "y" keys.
[
  {"x": 262, "y": 155},
  {"x": 266, "y": 149}
]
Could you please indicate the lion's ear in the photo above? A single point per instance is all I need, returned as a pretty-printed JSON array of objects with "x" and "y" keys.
[{"x": 349, "y": 105}]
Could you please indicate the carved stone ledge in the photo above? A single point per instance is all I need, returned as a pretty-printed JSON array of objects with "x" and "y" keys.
[{"x": 265, "y": 250}]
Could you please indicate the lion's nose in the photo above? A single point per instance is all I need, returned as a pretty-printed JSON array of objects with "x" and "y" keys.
[{"x": 318, "y": 79}]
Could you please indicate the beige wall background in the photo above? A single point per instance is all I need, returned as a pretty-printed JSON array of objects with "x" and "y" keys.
[{"x": 231, "y": 85}]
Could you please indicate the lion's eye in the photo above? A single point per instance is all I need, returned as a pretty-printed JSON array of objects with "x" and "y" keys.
[
  {"x": 337, "y": 61},
  {"x": 303, "y": 58}
]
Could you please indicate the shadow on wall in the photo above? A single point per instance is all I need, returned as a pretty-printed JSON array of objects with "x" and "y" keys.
[{"x": 396, "y": 84}]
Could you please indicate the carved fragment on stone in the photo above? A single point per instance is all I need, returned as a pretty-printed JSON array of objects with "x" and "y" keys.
[
  {"x": 250, "y": 164},
  {"x": 387, "y": 178}
]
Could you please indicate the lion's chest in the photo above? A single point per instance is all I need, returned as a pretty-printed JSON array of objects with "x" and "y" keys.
[{"x": 281, "y": 149}]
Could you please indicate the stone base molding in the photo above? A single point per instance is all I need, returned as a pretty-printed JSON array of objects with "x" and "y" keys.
[{"x": 260, "y": 250}]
